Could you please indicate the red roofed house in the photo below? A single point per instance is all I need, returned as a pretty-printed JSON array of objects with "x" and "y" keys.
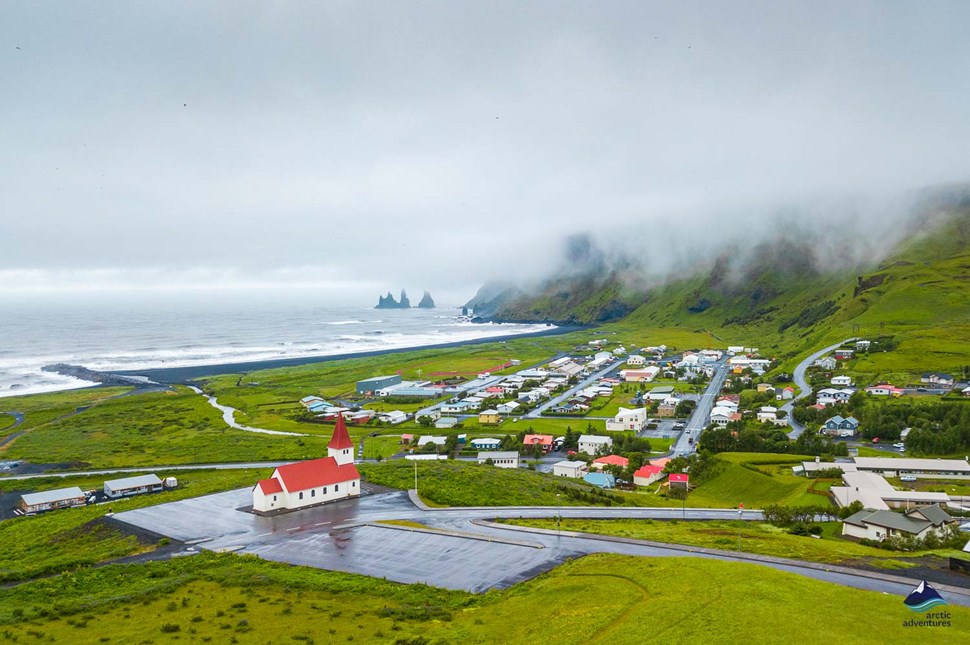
[
  {"x": 647, "y": 474},
  {"x": 677, "y": 478},
  {"x": 308, "y": 483},
  {"x": 610, "y": 460},
  {"x": 544, "y": 440}
]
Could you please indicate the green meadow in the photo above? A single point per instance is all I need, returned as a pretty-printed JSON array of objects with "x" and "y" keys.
[{"x": 594, "y": 599}]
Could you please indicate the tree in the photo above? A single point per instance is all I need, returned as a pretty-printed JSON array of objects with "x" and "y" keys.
[{"x": 425, "y": 421}]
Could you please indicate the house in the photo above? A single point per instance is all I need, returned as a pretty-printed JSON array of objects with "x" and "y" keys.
[
  {"x": 500, "y": 459},
  {"x": 765, "y": 387},
  {"x": 839, "y": 426},
  {"x": 881, "y": 525},
  {"x": 966, "y": 391},
  {"x": 458, "y": 407},
  {"x": 721, "y": 416},
  {"x": 508, "y": 408},
  {"x": 49, "y": 500},
  {"x": 359, "y": 417},
  {"x": 944, "y": 380},
  {"x": 309, "y": 483},
  {"x": 544, "y": 440},
  {"x": 485, "y": 443},
  {"x": 786, "y": 394},
  {"x": 307, "y": 400},
  {"x": 643, "y": 375},
  {"x": 768, "y": 414},
  {"x": 407, "y": 438},
  {"x": 591, "y": 444},
  {"x": 660, "y": 393},
  {"x": 446, "y": 423},
  {"x": 438, "y": 440},
  {"x": 668, "y": 408},
  {"x": 610, "y": 460},
  {"x": 728, "y": 401},
  {"x": 628, "y": 419},
  {"x": 132, "y": 486},
  {"x": 827, "y": 363},
  {"x": 566, "y": 468},
  {"x": 884, "y": 389},
  {"x": 489, "y": 417},
  {"x": 635, "y": 360},
  {"x": 648, "y": 474},
  {"x": 678, "y": 479},
  {"x": 600, "y": 480},
  {"x": 841, "y": 381},
  {"x": 831, "y": 396},
  {"x": 372, "y": 385},
  {"x": 473, "y": 402},
  {"x": 844, "y": 354},
  {"x": 394, "y": 417}
]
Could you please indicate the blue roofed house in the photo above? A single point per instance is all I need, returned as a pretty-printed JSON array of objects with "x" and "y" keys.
[
  {"x": 601, "y": 480},
  {"x": 839, "y": 426}
]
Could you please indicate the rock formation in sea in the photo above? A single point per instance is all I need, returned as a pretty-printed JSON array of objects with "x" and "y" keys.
[
  {"x": 388, "y": 301},
  {"x": 427, "y": 302}
]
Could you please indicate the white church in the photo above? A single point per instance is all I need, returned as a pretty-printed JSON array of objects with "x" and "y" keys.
[{"x": 309, "y": 483}]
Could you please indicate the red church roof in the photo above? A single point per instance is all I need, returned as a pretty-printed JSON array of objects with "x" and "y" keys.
[
  {"x": 315, "y": 473},
  {"x": 270, "y": 486},
  {"x": 340, "y": 439}
]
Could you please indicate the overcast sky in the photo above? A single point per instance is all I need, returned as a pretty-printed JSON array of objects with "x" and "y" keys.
[{"x": 380, "y": 145}]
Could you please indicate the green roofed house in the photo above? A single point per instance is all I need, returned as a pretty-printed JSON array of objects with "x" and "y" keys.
[{"x": 881, "y": 525}]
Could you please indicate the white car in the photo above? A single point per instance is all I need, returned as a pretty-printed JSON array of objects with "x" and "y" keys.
[{"x": 899, "y": 445}]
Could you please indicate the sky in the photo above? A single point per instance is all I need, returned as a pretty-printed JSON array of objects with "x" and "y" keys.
[{"x": 351, "y": 148}]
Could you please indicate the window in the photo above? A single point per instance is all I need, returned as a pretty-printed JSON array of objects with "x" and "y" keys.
[
  {"x": 324, "y": 490},
  {"x": 353, "y": 485},
  {"x": 336, "y": 487},
  {"x": 313, "y": 493},
  {"x": 274, "y": 498},
  {"x": 301, "y": 495}
]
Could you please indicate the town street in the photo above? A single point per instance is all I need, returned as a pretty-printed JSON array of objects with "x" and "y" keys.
[
  {"x": 586, "y": 382},
  {"x": 804, "y": 388},
  {"x": 698, "y": 420}
]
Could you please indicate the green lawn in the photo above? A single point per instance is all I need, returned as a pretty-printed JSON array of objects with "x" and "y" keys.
[
  {"x": 594, "y": 599},
  {"x": 69, "y": 538},
  {"x": 756, "y": 537},
  {"x": 756, "y": 480}
]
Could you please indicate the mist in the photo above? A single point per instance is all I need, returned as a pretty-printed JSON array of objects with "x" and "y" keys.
[{"x": 348, "y": 149}]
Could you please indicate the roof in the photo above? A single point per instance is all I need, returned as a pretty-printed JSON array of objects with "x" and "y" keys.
[
  {"x": 933, "y": 514},
  {"x": 565, "y": 463},
  {"x": 661, "y": 462},
  {"x": 270, "y": 486},
  {"x": 498, "y": 454},
  {"x": 316, "y": 472},
  {"x": 541, "y": 439},
  {"x": 489, "y": 411},
  {"x": 613, "y": 460},
  {"x": 889, "y": 520},
  {"x": 600, "y": 479},
  {"x": 133, "y": 482},
  {"x": 647, "y": 471},
  {"x": 48, "y": 496},
  {"x": 375, "y": 379},
  {"x": 678, "y": 478},
  {"x": 592, "y": 438},
  {"x": 903, "y": 463},
  {"x": 340, "y": 439}
]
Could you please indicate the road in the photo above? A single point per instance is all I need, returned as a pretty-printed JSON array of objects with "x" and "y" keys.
[
  {"x": 18, "y": 418},
  {"x": 589, "y": 380},
  {"x": 460, "y": 548},
  {"x": 698, "y": 420},
  {"x": 803, "y": 386},
  {"x": 112, "y": 471}
]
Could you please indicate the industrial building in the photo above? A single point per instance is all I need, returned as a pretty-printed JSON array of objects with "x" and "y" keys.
[{"x": 377, "y": 383}]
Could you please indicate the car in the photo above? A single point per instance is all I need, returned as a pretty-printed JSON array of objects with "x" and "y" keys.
[
  {"x": 907, "y": 478},
  {"x": 899, "y": 444}
]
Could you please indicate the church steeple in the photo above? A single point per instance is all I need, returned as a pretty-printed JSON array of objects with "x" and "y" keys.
[{"x": 341, "y": 447}]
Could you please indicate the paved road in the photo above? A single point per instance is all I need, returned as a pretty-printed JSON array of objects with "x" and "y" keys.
[
  {"x": 571, "y": 391},
  {"x": 803, "y": 386},
  {"x": 459, "y": 553},
  {"x": 698, "y": 420},
  {"x": 112, "y": 471}
]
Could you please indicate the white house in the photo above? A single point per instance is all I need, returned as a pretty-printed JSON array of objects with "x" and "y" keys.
[
  {"x": 831, "y": 396},
  {"x": 635, "y": 360},
  {"x": 446, "y": 423},
  {"x": 500, "y": 459},
  {"x": 721, "y": 416},
  {"x": 826, "y": 363},
  {"x": 642, "y": 375},
  {"x": 628, "y": 419},
  {"x": 881, "y": 525},
  {"x": 313, "y": 482},
  {"x": 507, "y": 408},
  {"x": 591, "y": 444},
  {"x": 841, "y": 381},
  {"x": 566, "y": 468},
  {"x": 647, "y": 474},
  {"x": 424, "y": 440},
  {"x": 767, "y": 414},
  {"x": 132, "y": 486},
  {"x": 393, "y": 417}
]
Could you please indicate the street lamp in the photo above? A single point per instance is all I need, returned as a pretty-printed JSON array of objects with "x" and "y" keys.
[
  {"x": 415, "y": 477},
  {"x": 740, "y": 510},
  {"x": 558, "y": 516}
]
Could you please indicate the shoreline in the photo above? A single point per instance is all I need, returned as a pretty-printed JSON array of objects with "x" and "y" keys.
[{"x": 183, "y": 375}]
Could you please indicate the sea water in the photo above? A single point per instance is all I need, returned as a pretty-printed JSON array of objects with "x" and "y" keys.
[{"x": 134, "y": 332}]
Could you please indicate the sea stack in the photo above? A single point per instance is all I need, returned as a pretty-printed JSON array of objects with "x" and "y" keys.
[
  {"x": 427, "y": 302},
  {"x": 388, "y": 301}
]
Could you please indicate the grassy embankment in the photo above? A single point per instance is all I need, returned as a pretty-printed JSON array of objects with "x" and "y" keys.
[
  {"x": 226, "y": 598},
  {"x": 71, "y": 538},
  {"x": 40, "y": 409},
  {"x": 756, "y": 537}
]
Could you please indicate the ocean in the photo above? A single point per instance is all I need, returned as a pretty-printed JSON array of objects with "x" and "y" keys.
[{"x": 119, "y": 332}]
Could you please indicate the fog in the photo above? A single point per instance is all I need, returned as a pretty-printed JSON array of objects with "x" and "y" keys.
[{"x": 354, "y": 148}]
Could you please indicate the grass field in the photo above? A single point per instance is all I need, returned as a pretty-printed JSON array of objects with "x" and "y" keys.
[
  {"x": 756, "y": 480},
  {"x": 70, "y": 538},
  {"x": 157, "y": 428},
  {"x": 595, "y": 599},
  {"x": 756, "y": 537}
]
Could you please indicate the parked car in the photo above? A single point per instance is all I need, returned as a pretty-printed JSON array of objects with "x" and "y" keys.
[
  {"x": 907, "y": 478},
  {"x": 899, "y": 444}
]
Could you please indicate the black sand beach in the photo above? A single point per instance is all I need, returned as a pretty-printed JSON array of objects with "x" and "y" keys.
[{"x": 187, "y": 374}]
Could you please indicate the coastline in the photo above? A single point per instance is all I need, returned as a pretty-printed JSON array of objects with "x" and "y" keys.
[{"x": 185, "y": 375}]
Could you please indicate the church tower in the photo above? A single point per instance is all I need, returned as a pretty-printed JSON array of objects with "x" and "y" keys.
[{"x": 341, "y": 448}]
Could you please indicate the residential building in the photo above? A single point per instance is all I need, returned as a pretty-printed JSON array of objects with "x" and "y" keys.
[
  {"x": 508, "y": 408},
  {"x": 609, "y": 460},
  {"x": 884, "y": 389},
  {"x": 446, "y": 423},
  {"x": 309, "y": 483},
  {"x": 944, "y": 380},
  {"x": 769, "y": 414},
  {"x": 485, "y": 443},
  {"x": 600, "y": 480},
  {"x": 882, "y": 525},
  {"x": 591, "y": 444},
  {"x": 489, "y": 417},
  {"x": 635, "y": 360},
  {"x": 49, "y": 500},
  {"x": 826, "y": 363},
  {"x": 765, "y": 387},
  {"x": 424, "y": 440},
  {"x": 500, "y": 459},
  {"x": 839, "y": 426},
  {"x": 628, "y": 419},
  {"x": 668, "y": 408},
  {"x": 394, "y": 417},
  {"x": 843, "y": 354},
  {"x": 841, "y": 381},
  {"x": 132, "y": 486},
  {"x": 566, "y": 468},
  {"x": 640, "y": 375},
  {"x": 648, "y": 474},
  {"x": 831, "y": 396},
  {"x": 786, "y": 394},
  {"x": 544, "y": 440}
]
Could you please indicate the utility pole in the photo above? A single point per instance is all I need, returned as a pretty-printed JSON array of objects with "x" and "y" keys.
[
  {"x": 415, "y": 476},
  {"x": 740, "y": 510}
]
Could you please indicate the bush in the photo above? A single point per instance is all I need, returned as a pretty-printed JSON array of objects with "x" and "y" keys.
[{"x": 170, "y": 628}]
